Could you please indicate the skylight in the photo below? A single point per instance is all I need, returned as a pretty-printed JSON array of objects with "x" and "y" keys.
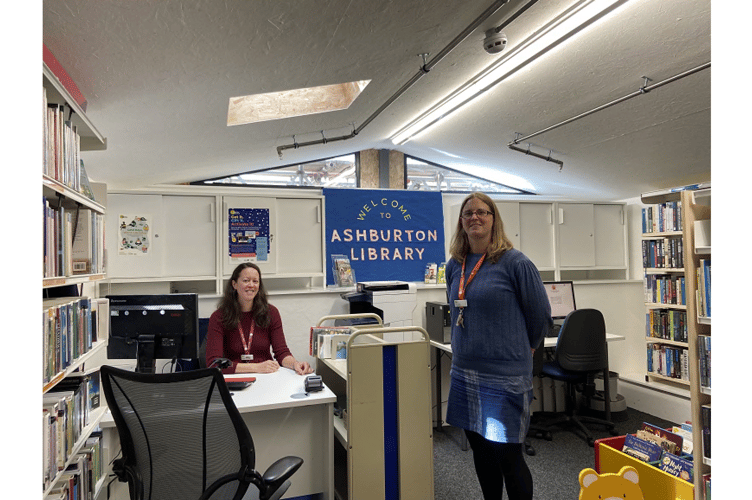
[{"x": 289, "y": 103}]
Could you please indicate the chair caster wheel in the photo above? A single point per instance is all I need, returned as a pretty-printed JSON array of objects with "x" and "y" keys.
[
  {"x": 613, "y": 432},
  {"x": 591, "y": 442},
  {"x": 548, "y": 436}
]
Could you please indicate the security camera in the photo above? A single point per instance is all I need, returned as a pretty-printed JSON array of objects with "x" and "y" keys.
[{"x": 494, "y": 42}]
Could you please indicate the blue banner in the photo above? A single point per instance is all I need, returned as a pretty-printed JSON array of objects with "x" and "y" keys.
[{"x": 386, "y": 234}]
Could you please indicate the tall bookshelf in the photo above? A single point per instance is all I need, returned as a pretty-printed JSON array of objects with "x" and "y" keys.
[
  {"x": 71, "y": 334},
  {"x": 676, "y": 261},
  {"x": 696, "y": 227}
]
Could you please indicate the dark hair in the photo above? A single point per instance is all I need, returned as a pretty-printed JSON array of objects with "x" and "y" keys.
[
  {"x": 230, "y": 306},
  {"x": 460, "y": 245}
]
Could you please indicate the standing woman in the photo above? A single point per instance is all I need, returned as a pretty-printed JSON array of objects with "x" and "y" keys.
[
  {"x": 500, "y": 312},
  {"x": 245, "y": 326}
]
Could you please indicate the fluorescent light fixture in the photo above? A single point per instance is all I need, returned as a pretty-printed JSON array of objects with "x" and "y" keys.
[
  {"x": 296, "y": 102},
  {"x": 568, "y": 24}
]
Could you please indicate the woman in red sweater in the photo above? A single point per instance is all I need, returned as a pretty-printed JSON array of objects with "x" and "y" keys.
[{"x": 245, "y": 326}]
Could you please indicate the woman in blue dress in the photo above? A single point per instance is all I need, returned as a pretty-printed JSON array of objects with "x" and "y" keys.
[{"x": 500, "y": 311}]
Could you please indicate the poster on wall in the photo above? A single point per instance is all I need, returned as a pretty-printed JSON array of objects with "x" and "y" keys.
[
  {"x": 387, "y": 235},
  {"x": 248, "y": 234},
  {"x": 134, "y": 234}
]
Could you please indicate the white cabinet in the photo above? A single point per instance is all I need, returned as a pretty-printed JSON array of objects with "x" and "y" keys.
[
  {"x": 510, "y": 216},
  {"x": 591, "y": 235},
  {"x": 160, "y": 236},
  {"x": 537, "y": 234}
]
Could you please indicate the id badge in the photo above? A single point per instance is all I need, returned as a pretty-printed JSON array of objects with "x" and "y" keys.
[
  {"x": 246, "y": 357},
  {"x": 460, "y": 303}
]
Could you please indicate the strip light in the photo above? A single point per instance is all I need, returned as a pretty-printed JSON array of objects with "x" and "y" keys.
[{"x": 565, "y": 26}]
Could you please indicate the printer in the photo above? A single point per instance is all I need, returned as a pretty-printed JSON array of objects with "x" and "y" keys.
[{"x": 393, "y": 301}]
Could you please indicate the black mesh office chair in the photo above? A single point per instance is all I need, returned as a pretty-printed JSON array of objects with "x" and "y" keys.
[
  {"x": 182, "y": 437},
  {"x": 581, "y": 353}
]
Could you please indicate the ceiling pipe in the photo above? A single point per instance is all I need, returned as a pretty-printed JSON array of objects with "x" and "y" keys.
[
  {"x": 424, "y": 69},
  {"x": 641, "y": 91}
]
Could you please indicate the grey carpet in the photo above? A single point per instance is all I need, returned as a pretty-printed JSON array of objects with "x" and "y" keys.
[{"x": 555, "y": 466}]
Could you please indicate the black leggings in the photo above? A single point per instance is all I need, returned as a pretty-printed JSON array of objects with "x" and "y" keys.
[{"x": 497, "y": 462}]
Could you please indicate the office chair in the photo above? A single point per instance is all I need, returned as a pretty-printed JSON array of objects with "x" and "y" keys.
[
  {"x": 581, "y": 352},
  {"x": 535, "y": 430},
  {"x": 182, "y": 437}
]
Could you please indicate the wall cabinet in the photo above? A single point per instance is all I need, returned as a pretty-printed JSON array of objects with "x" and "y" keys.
[
  {"x": 591, "y": 235},
  {"x": 179, "y": 232}
]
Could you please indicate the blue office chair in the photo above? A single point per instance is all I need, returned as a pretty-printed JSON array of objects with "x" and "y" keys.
[
  {"x": 182, "y": 437},
  {"x": 581, "y": 353}
]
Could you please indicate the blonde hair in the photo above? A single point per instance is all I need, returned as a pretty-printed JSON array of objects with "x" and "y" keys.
[{"x": 460, "y": 246}]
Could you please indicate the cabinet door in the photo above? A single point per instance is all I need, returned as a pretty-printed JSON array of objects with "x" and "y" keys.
[
  {"x": 576, "y": 229},
  {"x": 537, "y": 233},
  {"x": 134, "y": 240},
  {"x": 609, "y": 235},
  {"x": 300, "y": 235},
  {"x": 249, "y": 227},
  {"x": 190, "y": 236},
  {"x": 510, "y": 216}
]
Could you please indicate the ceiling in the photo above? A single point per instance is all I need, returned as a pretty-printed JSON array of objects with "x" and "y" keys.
[{"x": 158, "y": 76}]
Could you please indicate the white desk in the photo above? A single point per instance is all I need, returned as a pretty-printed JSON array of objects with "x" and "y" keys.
[
  {"x": 282, "y": 421},
  {"x": 549, "y": 342}
]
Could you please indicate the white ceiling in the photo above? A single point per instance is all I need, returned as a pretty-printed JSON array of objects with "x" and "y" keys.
[{"x": 158, "y": 75}]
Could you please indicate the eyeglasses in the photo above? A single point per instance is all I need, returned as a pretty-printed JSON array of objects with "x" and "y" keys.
[{"x": 468, "y": 214}]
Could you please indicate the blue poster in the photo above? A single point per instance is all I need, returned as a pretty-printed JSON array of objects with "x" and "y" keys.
[
  {"x": 388, "y": 235},
  {"x": 249, "y": 234}
]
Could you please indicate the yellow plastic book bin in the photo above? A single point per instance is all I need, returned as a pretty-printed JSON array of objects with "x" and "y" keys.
[{"x": 655, "y": 483}]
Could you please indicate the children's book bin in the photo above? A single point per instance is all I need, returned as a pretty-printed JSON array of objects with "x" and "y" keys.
[{"x": 655, "y": 483}]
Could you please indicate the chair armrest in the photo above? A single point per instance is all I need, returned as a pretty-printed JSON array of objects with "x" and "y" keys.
[{"x": 280, "y": 471}]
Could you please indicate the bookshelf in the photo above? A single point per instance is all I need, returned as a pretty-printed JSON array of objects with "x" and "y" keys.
[
  {"x": 696, "y": 228},
  {"x": 74, "y": 327},
  {"x": 676, "y": 260}
]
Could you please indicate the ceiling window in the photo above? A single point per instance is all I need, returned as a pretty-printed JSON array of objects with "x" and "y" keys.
[
  {"x": 296, "y": 102},
  {"x": 426, "y": 176},
  {"x": 331, "y": 172}
]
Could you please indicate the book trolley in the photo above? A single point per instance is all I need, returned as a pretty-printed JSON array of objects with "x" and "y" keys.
[
  {"x": 384, "y": 440},
  {"x": 655, "y": 483}
]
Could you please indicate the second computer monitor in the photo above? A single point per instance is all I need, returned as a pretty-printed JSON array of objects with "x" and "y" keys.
[{"x": 561, "y": 297}]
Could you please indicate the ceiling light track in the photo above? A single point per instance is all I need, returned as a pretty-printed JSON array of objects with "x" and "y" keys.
[
  {"x": 641, "y": 91},
  {"x": 424, "y": 69}
]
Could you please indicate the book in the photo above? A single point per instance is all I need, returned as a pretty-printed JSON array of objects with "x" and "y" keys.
[
  {"x": 686, "y": 436},
  {"x": 441, "y": 273},
  {"x": 705, "y": 415},
  {"x": 318, "y": 331},
  {"x": 669, "y": 441},
  {"x": 343, "y": 272},
  {"x": 431, "y": 272},
  {"x": 676, "y": 466},
  {"x": 641, "y": 449}
]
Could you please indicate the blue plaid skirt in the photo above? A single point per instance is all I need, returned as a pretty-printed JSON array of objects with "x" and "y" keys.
[{"x": 496, "y": 407}]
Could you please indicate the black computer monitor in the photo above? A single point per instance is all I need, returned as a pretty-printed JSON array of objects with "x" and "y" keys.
[
  {"x": 561, "y": 297},
  {"x": 150, "y": 327}
]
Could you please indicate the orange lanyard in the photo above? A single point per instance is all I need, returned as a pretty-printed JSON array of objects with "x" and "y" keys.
[
  {"x": 246, "y": 345},
  {"x": 461, "y": 293}
]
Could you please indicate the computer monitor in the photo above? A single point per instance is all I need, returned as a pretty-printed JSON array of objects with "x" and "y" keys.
[
  {"x": 561, "y": 297},
  {"x": 150, "y": 327}
]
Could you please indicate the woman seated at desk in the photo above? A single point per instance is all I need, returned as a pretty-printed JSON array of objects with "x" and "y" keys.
[{"x": 245, "y": 326}]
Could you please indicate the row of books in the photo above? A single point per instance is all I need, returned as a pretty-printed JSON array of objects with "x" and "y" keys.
[
  {"x": 73, "y": 241},
  {"x": 435, "y": 273},
  {"x": 663, "y": 253},
  {"x": 70, "y": 326},
  {"x": 662, "y": 217},
  {"x": 669, "y": 450},
  {"x": 703, "y": 347},
  {"x": 66, "y": 411},
  {"x": 703, "y": 288},
  {"x": 705, "y": 415},
  {"x": 61, "y": 145},
  {"x": 664, "y": 289},
  {"x": 342, "y": 270},
  {"x": 668, "y": 361},
  {"x": 325, "y": 342},
  {"x": 666, "y": 324}
]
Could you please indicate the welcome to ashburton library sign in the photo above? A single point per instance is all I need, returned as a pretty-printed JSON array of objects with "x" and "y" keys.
[{"x": 386, "y": 234}]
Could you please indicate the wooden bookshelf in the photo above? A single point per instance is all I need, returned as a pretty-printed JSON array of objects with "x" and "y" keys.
[
  {"x": 64, "y": 194},
  {"x": 696, "y": 208}
]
